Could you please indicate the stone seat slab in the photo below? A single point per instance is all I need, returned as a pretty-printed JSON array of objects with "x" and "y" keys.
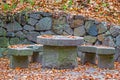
[
  {"x": 88, "y": 53},
  {"x": 105, "y": 50},
  {"x": 20, "y": 51}
]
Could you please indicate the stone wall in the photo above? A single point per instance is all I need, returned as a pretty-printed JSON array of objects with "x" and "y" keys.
[{"x": 22, "y": 28}]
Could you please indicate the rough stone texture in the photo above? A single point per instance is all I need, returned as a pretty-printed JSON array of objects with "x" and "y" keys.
[
  {"x": 105, "y": 57},
  {"x": 61, "y": 20},
  {"x": 117, "y": 54},
  {"x": 90, "y": 39},
  {"x": 60, "y": 40},
  {"x": 115, "y": 31},
  {"x": 32, "y": 21},
  {"x": 15, "y": 26},
  {"x": 79, "y": 31},
  {"x": 59, "y": 57},
  {"x": 2, "y": 32},
  {"x": 108, "y": 41},
  {"x": 10, "y": 34},
  {"x": 92, "y": 30},
  {"x": 91, "y": 27},
  {"x": 118, "y": 41},
  {"x": 19, "y": 61},
  {"x": 20, "y": 34},
  {"x": 44, "y": 24},
  {"x": 88, "y": 53},
  {"x": 47, "y": 32},
  {"x": 32, "y": 36},
  {"x": 101, "y": 28},
  {"x": 4, "y": 42},
  {"x": 101, "y": 37},
  {"x": 106, "y": 61},
  {"x": 58, "y": 28},
  {"x": 35, "y": 16},
  {"x": 47, "y": 14},
  {"x": 68, "y": 30},
  {"x": 2, "y": 50},
  {"x": 28, "y": 27},
  {"x": 14, "y": 40}
]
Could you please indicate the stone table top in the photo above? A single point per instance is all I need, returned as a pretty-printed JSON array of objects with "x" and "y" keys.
[{"x": 59, "y": 40}]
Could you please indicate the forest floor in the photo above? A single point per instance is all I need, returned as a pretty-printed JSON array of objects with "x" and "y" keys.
[
  {"x": 35, "y": 72},
  {"x": 102, "y": 10}
]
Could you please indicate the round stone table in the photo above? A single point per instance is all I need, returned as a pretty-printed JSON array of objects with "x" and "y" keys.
[{"x": 60, "y": 52}]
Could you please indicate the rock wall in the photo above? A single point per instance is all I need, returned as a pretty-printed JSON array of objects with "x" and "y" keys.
[{"x": 22, "y": 28}]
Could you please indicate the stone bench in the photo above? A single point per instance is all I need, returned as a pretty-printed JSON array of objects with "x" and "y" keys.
[
  {"x": 105, "y": 55},
  {"x": 19, "y": 56}
]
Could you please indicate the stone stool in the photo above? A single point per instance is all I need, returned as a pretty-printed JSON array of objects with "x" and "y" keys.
[
  {"x": 105, "y": 57},
  {"x": 37, "y": 52},
  {"x": 88, "y": 53},
  {"x": 19, "y": 57}
]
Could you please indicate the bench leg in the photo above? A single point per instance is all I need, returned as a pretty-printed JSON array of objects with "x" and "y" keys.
[
  {"x": 106, "y": 61},
  {"x": 37, "y": 57},
  {"x": 88, "y": 57},
  {"x": 19, "y": 61}
]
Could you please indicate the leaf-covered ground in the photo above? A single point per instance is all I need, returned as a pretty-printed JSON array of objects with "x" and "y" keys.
[
  {"x": 35, "y": 72},
  {"x": 103, "y": 10}
]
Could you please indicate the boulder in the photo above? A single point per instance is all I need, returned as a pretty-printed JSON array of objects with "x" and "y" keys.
[
  {"x": 115, "y": 31},
  {"x": 32, "y": 21},
  {"x": 28, "y": 27},
  {"x": 68, "y": 29},
  {"x": 15, "y": 26},
  {"x": 90, "y": 39},
  {"x": 79, "y": 31},
  {"x": 2, "y": 32},
  {"x": 20, "y": 34},
  {"x": 14, "y": 41},
  {"x": 91, "y": 28},
  {"x": 35, "y": 16},
  {"x": 4, "y": 42},
  {"x": 118, "y": 41},
  {"x": 44, "y": 24},
  {"x": 101, "y": 28}
]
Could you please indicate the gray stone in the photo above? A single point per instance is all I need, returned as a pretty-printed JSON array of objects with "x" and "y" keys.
[
  {"x": 2, "y": 32},
  {"x": 4, "y": 42},
  {"x": 90, "y": 39},
  {"x": 28, "y": 27},
  {"x": 101, "y": 37},
  {"x": 57, "y": 40},
  {"x": 35, "y": 16},
  {"x": 118, "y": 41},
  {"x": 58, "y": 29},
  {"x": 14, "y": 40},
  {"x": 32, "y": 36},
  {"x": 117, "y": 54},
  {"x": 79, "y": 31},
  {"x": 1, "y": 23},
  {"x": 2, "y": 50},
  {"x": 68, "y": 30},
  {"x": 88, "y": 53},
  {"x": 15, "y": 26},
  {"x": 47, "y": 32},
  {"x": 20, "y": 34},
  {"x": 26, "y": 42},
  {"x": 77, "y": 22},
  {"x": 10, "y": 34},
  {"x": 92, "y": 30},
  {"x": 108, "y": 41},
  {"x": 101, "y": 28},
  {"x": 60, "y": 21},
  {"x": 105, "y": 56},
  {"x": 32, "y": 21},
  {"x": 115, "y": 31},
  {"x": 19, "y": 61},
  {"x": 44, "y": 24},
  {"x": 20, "y": 51},
  {"x": 59, "y": 57}
]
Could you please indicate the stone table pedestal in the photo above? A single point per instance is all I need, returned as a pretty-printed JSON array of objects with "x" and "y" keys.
[{"x": 60, "y": 52}]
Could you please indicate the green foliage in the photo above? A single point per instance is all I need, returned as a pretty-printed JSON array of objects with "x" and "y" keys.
[{"x": 5, "y": 6}]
